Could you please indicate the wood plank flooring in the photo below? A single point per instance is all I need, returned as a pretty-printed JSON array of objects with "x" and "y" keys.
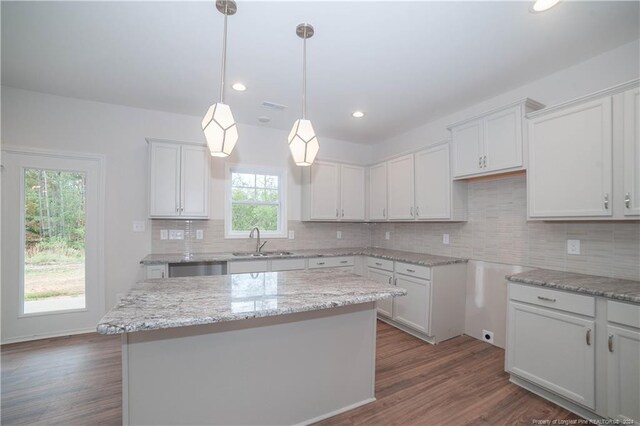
[{"x": 76, "y": 381}]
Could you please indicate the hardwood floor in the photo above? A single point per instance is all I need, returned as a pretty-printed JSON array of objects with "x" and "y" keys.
[{"x": 76, "y": 381}]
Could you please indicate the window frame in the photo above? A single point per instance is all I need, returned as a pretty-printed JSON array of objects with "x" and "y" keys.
[{"x": 282, "y": 231}]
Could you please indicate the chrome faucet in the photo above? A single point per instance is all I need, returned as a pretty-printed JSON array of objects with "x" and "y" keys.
[{"x": 259, "y": 246}]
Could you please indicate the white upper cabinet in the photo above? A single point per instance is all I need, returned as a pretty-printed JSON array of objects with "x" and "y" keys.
[
  {"x": 378, "y": 192},
  {"x": 433, "y": 183},
  {"x": 333, "y": 191},
  {"x": 400, "y": 187},
  {"x": 324, "y": 191},
  {"x": 178, "y": 180},
  {"x": 491, "y": 143},
  {"x": 570, "y": 161},
  {"x": 584, "y": 157},
  {"x": 631, "y": 153},
  {"x": 352, "y": 192},
  {"x": 466, "y": 141}
]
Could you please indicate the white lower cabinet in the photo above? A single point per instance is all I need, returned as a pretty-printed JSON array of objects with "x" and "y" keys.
[
  {"x": 385, "y": 307},
  {"x": 412, "y": 310},
  {"x": 157, "y": 271},
  {"x": 554, "y": 350},
  {"x": 576, "y": 349}
]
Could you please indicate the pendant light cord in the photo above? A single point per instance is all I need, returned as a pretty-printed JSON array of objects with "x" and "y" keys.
[
  {"x": 224, "y": 55},
  {"x": 304, "y": 76}
]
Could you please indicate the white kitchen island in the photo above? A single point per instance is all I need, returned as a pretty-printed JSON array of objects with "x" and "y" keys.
[{"x": 269, "y": 348}]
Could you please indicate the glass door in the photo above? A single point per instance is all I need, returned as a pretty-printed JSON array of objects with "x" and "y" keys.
[{"x": 52, "y": 273}]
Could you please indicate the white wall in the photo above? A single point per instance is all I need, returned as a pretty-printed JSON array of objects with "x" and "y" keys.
[
  {"x": 39, "y": 120},
  {"x": 613, "y": 67}
]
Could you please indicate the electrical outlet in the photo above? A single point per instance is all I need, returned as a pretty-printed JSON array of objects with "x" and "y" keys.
[
  {"x": 487, "y": 336},
  {"x": 292, "y": 235},
  {"x": 176, "y": 234},
  {"x": 387, "y": 235},
  {"x": 339, "y": 235},
  {"x": 164, "y": 234},
  {"x": 138, "y": 226},
  {"x": 199, "y": 234},
  {"x": 445, "y": 238},
  {"x": 573, "y": 247}
]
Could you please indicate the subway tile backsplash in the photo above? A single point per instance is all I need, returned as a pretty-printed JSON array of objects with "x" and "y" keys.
[{"x": 497, "y": 231}]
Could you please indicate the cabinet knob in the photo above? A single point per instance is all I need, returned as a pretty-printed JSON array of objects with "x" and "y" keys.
[
  {"x": 588, "y": 337},
  {"x": 627, "y": 200},
  {"x": 611, "y": 343}
]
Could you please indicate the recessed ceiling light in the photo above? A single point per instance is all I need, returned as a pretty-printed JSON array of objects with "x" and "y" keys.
[
  {"x": 239, "y": 87},
  {"x": 542, "y": 5},
  {"x": 357, "y": 114}
]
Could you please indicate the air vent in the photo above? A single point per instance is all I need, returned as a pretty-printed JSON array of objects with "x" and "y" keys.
[{"x": 273, "y": 105}]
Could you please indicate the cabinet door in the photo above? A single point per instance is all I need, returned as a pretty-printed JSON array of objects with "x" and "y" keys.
[
  {"x": 503, "y": 140},
  {"x": 400, "y": 187},
  {"x": 385, "y": 306},
  {"x": 570, "y": 161},
  {"x": 467, "y": 144},
  {"x": 378, "y": 192},
  {"x": 157, "y": 271},
  {"x": 631, "y": 190},
  {"x": 324, "y": 190},
  {"x": 412, "y": 309},
  {"x": 553, "y": 350},
  {"x": 194, "y": 188},
  {"x": 352, "y": 191},
  {"x": 433, "y": 183},
  {"x": 623, "y": 373},
  {"x": 164, "y": 180}
]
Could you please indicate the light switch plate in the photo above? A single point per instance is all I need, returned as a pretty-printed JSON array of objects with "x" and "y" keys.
[
  {"x": 138, "y": 226},
  {"x": 445, "y": 238},
  {"x": 199, "y": 234},
  {"x": 292, "y": 235},
  {"x": 387, "y": 235},
  {"x": 164, "y": 234},
  {"x": 339, "y": 235},
  {"x": 176, "y": 234},
  {"x": 573, "y": 247}
]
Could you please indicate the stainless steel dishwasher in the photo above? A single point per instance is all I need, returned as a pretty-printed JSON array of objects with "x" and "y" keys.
[{"x": 197, "y": 269}]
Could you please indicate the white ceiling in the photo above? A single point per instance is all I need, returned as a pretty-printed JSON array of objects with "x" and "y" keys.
[{"x": 403, "y": 63}]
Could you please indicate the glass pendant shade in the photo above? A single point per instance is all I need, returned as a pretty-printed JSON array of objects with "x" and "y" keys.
[
  {"x": 220, "y": 130},
  {"x": 303, "y": 143}
]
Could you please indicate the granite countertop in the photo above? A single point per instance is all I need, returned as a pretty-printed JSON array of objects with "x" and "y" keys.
[
  {"x": 401, "y": 256},
  {"x": 612, "y": 288},
  {"x": 181, "y": 302}
]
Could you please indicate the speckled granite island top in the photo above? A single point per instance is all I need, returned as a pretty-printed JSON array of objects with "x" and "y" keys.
[
  {"x": 397, "y": 255},
  {"x": 612, "y": 288},
  {"x": 180, "y": 302}
]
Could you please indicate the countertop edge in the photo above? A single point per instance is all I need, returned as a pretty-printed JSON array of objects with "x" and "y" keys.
[{"x": 111, "y": 329}]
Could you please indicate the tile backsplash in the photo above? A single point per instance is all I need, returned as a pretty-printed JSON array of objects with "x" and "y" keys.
[{"x": 497, "y": 231}]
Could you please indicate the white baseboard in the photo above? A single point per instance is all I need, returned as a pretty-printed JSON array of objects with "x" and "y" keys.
[
  {"x": 336, "y": 412},
  {"x": 28, "y": 338}
]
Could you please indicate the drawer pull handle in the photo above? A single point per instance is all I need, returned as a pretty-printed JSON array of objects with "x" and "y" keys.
[
  {"x": 389, "y": 280},
  {"x": 395, "y": 281},
  {"x": 378, "y": 263},
  {"x": 411, "y": 270},
  {"x": 588, "y": 337},
  {"x": 546, "y": 299},
  {"x": 627, "y": 200},
  {"x": 606, "y": 201},
  {"x": 320, "y": 263},
  {"x": 611, "y": 343},
  {"x": 344, "y": 261}
]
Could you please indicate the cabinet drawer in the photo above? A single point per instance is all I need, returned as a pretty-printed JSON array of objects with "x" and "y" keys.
[
  {"x": 623, "y": 313},
  {"x": 384, "y": 264},
  {"x": 330, "y": 262},
  {"x": 570, "y": 302},
  {"x": 287, "y": 264},
  {"x": 418, "y": 271},
  {"x": 241, "y": 267}
]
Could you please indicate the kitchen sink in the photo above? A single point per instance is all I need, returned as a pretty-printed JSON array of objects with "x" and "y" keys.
[{"x": 262, "y": 253}]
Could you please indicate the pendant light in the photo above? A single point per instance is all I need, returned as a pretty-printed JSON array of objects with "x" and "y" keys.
[
  {"x": 218, "y": 125},
  {"x": 303, "y": 142}
]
